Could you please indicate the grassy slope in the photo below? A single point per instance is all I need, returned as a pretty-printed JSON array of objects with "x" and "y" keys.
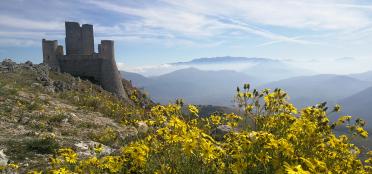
[{"x": 34, "y": 122}]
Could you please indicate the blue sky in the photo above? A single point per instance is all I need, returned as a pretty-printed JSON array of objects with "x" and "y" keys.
[{"x": 153, "y": 32}]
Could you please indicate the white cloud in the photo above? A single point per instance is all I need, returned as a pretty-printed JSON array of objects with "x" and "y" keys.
[
  {"x": 26, "y": 24},
  {"x": 25, "y": 35},
  {"x": 308, "y": 14},
  {"x": 163, "y": 17},
  {"x": 148, "y": 70},
  {"x": 210, "y": 18},
  {"x": 20, "y": 32},
  {"x": 266, "y": 34},
  {"x": 191, "y": 22},
  {"x": 19, "y": 42}
]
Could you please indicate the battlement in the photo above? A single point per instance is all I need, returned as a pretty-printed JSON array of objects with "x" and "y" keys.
[{"x": 81, "y": 60}]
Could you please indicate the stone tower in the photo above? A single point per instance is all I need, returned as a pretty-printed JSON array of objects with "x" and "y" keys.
[{"x": 81, "y": 60}]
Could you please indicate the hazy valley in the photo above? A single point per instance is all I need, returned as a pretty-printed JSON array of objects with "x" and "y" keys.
[{"x": 195, "y": 83}]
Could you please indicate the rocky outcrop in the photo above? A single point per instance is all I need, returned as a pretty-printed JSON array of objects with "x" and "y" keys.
[
  {"x": 7, "y": 65},
  {"x": 221, "y": 131},
  {"x": 3, "y": 158},
  {"x": 42, "y": 71},
  {"x": 90, "y": 148}
]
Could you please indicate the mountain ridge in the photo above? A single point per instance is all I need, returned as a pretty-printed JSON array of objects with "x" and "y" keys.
[
  {"x": 214, "y": 87},
  {"x": 224, "y": 59},
  {"x": 359, "y": 105},
  {"x": 310, "y": 90}
]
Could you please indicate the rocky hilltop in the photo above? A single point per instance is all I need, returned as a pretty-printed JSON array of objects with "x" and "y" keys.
[{"x": 42, "y": 110}]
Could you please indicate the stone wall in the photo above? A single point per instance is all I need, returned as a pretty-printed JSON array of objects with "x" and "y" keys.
[
  {"x": 83, "y": 66},
  {"x": 101, "y": 71}
]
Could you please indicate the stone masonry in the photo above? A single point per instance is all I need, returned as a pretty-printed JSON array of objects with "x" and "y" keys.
[{"x": 81, "y": 60}]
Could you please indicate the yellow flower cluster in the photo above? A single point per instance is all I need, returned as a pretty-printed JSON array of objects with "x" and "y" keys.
[
  {"x": 132, "y": 159},
  {"x": 271, "y": 136},
  {"x": 68, "y": 155}
]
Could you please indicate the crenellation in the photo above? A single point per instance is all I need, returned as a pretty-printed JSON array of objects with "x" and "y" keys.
[{"x": 81, "y": 60}]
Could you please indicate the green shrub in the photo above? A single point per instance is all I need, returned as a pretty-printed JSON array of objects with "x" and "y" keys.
[
  {"x": 46, "y": 145},
  {"x": 57, "y": 118}
]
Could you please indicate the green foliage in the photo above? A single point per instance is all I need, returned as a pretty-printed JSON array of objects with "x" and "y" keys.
[
  {"x": 108, "y": 136},
  {"x": 57, "y": 118},
  {"x": 47, "y": 145},
  {"x": 6, "y": 91},
  {"x": 108, "y": 105}
]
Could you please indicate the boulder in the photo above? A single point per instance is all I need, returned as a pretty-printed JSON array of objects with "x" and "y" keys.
[
  {"x": 3, "y": 158},
  {"x": 3, "y": 68},
  {"x": 44, "y": 97},
  {"x": 142, "y": 127},
  {"x": 221, "y": 131},
  {"x": 29, "y": 63},
  {"x": 49, "y": 89},
  {"x": 86, "y": 148},
  {"x": 76, "y": 99},
  {"x": 60, "y": 86},
  {"x": 42, "y": 78},
  {"x": 127, "y": 132},
  {"x": 35, "y": 85},
  {"x": 9, "y": 64},
  {"x": 24, "y": 120}
]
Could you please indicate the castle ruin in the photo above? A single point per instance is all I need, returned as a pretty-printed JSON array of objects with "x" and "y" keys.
[{"x": 81, "y": 60}]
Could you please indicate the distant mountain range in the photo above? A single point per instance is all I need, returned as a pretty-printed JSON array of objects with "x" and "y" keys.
[
  {"x": 262, "y": 68},
  {"x": 366, "y": 76},
  {"x": 310, "y": 90},
  {"x": 137, "y": 80},
  {"x": 192, "y": 85},
  {"x": 226, "y": 59},
  {"x": 207, "y": 87}
]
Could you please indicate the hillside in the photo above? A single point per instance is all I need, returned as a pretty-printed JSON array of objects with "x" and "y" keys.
[
  {"x": 136, "y": 79},
  {"x": 310, "y": 90},
  {"x": 366, "y": 76},
  {"x": 55, "y": 123},
  {"x": 42, "y": 110},
  {"x": 359, "y": 105}
]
